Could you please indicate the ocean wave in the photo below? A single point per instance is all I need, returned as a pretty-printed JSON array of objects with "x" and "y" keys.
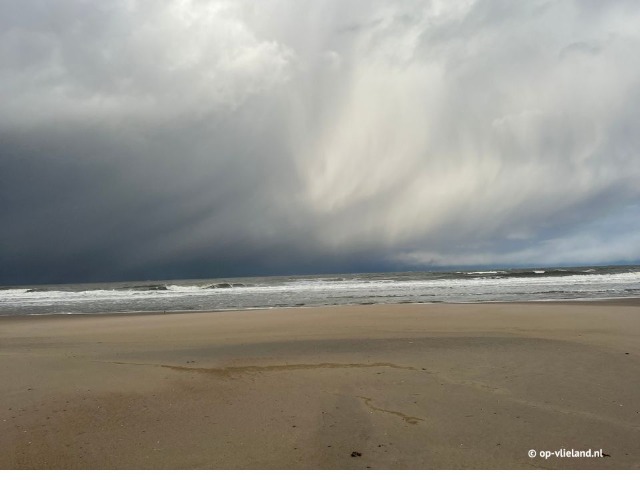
[
  {"x": 268, "y": 292},
  {"x": 150, "y": 288},
  {"x": 541, "y": 273},
  {"x": 488, "y": 272},
  {"x": 226, "y": 285}
]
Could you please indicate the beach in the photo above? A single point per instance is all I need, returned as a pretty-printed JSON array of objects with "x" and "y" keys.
[{"x": 352, "y": 387}]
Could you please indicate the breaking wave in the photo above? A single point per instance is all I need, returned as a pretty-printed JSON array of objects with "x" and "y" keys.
[{"x": 271, "y": 292}]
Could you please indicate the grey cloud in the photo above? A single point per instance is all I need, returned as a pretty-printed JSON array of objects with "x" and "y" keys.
[
  {"x": 359, "y": 27},
  {"x": 585, "y": 47},
  {"x": 154, "y": 139}
]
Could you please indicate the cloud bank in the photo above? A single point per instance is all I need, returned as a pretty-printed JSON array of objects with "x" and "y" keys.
[{"x": 183, "y": 138}]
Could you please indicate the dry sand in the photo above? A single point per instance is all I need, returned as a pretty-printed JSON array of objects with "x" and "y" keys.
[{"x": 406, "y": 386}]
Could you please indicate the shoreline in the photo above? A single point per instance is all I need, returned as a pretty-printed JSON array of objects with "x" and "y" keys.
[
  {"x": 609, "y": 301},
  {"x": 421, "y": 386}
]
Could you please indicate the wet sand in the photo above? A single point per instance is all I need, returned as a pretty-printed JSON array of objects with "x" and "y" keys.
[{"x": 403, "y": 386}]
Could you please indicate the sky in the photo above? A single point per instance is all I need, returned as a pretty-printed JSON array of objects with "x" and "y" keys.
[{"x": 161, "y": 139}]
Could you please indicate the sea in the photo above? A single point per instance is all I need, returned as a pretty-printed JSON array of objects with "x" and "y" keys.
[{"x": 499, "y": 285}]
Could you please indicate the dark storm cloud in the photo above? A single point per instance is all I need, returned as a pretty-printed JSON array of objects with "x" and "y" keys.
[{"x": 150, "y": 139}]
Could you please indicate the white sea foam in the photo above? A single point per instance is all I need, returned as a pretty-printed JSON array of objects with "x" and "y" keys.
[{"x": 267, "y": 292}]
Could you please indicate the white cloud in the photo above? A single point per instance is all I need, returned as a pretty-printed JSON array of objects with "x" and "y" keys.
[
  {"x": 475, "y": 122},
  {"x": 141, "y": 59}
]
